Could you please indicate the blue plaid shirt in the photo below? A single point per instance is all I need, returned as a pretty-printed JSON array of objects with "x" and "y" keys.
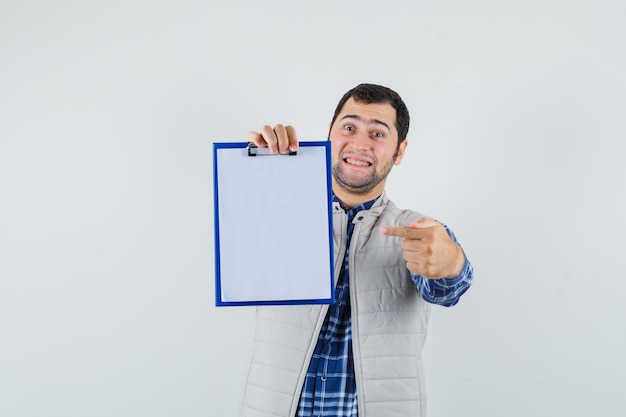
[{"x": 330, "y": 387}]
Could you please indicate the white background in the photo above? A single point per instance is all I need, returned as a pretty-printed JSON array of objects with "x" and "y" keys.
[{"x": 107, "y": 114}]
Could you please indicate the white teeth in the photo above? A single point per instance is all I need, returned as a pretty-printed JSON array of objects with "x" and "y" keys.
[{"x": 355, "y": 162}]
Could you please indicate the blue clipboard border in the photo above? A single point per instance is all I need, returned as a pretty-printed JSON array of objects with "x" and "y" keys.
[{"x": 218, "y": 286}]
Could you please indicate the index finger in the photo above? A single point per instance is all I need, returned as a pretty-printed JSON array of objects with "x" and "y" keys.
[
  {"x": 256, "y": 138},
  {"x": 399, "y": 231}
]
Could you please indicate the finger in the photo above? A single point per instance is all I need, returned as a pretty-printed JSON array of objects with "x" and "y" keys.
[
  {"x": 401, "y": 231},
  {"x": 424, "y": 269},
  {"x": 415, "y": 246},
  {"x": 269, "y": 136},
  {"x": 257, "y": 139},
  {"x": 293, "y": 138},
  {"x": 283, "y": 138},
  {"x": 424, "y": 222},
  {"x": 414, "y": 267}
]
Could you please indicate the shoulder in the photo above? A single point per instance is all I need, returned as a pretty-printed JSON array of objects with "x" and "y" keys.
[{"x": 399, "y": 216}]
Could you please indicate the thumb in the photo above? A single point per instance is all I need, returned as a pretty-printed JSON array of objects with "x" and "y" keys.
[{"x": 423, "y": 223}]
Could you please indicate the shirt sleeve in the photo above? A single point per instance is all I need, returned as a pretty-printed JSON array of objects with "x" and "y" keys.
[{"x": 446, "y": 291}]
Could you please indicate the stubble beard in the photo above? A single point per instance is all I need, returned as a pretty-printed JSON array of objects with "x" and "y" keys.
[{"x": 361, "y": 185}]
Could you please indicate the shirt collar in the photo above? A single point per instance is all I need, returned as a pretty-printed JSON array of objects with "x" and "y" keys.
[{"x": 365, "y": 206}]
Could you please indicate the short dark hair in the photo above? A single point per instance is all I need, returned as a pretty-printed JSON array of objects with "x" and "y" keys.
[{"x": 372, "y": 93}]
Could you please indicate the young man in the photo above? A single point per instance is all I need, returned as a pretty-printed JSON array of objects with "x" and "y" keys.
[{"x": 362, "y": 355}]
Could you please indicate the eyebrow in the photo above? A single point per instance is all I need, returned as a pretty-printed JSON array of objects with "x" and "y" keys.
[{"x": 368, "y": 121}]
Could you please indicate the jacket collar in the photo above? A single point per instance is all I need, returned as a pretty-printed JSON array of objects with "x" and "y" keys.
[{"x": 377, "y": 208}]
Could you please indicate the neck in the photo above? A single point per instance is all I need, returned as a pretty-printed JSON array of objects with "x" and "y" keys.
[{"x": 351, "y": 200}]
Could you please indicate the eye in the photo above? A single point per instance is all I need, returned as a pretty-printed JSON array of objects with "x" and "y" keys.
[
  {"x": 378, "y": 134},
  {"x": 349, "y": 128}
]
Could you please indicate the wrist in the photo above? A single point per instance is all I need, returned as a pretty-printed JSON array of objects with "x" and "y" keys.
[{"x": 458, "y": 264}]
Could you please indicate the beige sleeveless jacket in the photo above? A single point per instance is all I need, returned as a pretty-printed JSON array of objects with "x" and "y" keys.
[{"x": 389, "y": 322}]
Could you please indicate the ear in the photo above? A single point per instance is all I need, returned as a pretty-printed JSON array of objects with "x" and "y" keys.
[{"x": 401, "y": 150}]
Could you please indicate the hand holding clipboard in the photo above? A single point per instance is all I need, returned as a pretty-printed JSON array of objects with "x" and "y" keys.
[{"x": 279, "y": 139}]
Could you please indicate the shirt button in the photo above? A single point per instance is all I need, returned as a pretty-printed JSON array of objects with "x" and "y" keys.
[{"x": 323, "y": 377}]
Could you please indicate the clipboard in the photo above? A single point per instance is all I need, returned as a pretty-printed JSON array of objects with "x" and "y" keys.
[{"x": 273, "y": 225}]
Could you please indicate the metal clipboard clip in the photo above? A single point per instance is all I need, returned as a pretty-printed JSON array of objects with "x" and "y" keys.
[{"x": 254, "y": 150}]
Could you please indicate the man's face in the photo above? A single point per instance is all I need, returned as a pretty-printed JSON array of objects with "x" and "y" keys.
[{"x": 364, "y": 140}]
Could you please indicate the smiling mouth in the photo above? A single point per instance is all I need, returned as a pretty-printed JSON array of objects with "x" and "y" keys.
[{"x": 357, "y": 162}]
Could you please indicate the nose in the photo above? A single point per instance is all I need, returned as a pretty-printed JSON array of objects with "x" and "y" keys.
[{"x": 360, "y": 141}]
